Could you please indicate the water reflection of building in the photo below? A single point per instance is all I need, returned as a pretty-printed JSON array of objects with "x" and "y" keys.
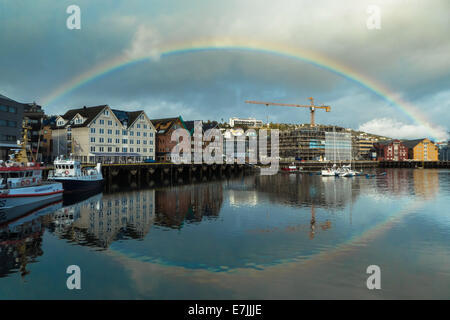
[
  {"x": 303, "y": 190},
  {"x": 426, "y": 183},
  {"x": 331, "y": 192},
  {"x": 396, "y": 182},
  {"x": 102, "y": 219},
  {"x": 188, "y": 203},
  {"x": 401, "y": 182},
  {"x": 21, "y": 240}
]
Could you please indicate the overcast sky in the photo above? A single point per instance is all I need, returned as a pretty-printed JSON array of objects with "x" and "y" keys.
[{"x": 409, "y": 55}]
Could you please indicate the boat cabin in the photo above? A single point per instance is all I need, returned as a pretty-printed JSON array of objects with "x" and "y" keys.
[
  {"x": 70, "y": 168},
  {"x": 15, "y": 175}
]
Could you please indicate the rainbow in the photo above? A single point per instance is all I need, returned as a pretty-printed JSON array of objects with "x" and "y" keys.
[{"x": 280, "y": 50}]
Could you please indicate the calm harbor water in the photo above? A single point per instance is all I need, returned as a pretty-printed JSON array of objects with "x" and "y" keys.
[{"x": 289, "y": 236}]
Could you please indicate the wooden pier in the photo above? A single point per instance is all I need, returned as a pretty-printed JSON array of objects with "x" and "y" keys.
[
  {"x": 170, "y": 171},
  {"x": 416, "y": 164}
]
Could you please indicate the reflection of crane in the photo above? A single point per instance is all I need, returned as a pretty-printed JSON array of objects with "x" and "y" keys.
[
  {"x": 325, "y": 226},
  {"x": 312, "y": 107}
]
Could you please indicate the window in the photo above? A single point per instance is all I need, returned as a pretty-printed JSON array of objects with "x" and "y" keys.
[
  {"x": 102, "y": 121},
  {"x": 145, "y": 126},
  {"x": 8, "y": 123},
  {"x": 109, "y": 140},
  {"x": 131, "y": 150},
  {"x": 150, "y": 142},
  {"x": 109, "y": 123},
  {"x": 124, "y": 149},
  {"x": 106, "y": 113},
  {"x": 102, "y": 131},
  {"x": 151, "y": 134},
  {"x": 117, "y": 140},
  {"x": 92, "y": 130},
  {"x": 138, "y": 126},
  {"x": 101, "y": 149},
  {"x": 125, "y": 141},
  {"x": 138, "y": 134},
  {"x": 92, "y": 149},
  {"x": 138, "y": 149},
  {"x": 131, "y": 133},
  {"x": 150, "y": 150},
  {"x": 124, "y": 132},
  {"x": 117, "y": 149},
  {"x": 102, "y": 140},
  {"x": 145, "y": 134},
  {"x": 93, "y": 139},
  {"x": 144, "y": 141},
  {"x": 138, "y": 142},
  {"x": 109, "y": 149},
  {"x": 117, "y": 132},
  {"x": 131, "y": 141},
  {"x": 109, "y": 131}
]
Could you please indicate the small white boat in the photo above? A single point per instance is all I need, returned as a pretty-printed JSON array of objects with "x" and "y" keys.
[
  {"x": 346, "y": 171},
  {"x": 330, "y": 172}
]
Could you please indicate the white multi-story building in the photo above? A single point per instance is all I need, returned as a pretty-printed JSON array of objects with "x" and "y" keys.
[{"x": 101, "y": 134}]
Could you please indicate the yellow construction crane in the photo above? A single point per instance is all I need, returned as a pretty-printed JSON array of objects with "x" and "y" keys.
[{"x": 312, "y": 107}]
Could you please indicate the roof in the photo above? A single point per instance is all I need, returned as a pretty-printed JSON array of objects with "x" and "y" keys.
[
  {"x": 133, "y": 115},
  {"x": 164, "y": 125},
  {"x": 10, "y": 101},
  {"x": 412, "y": 143},
  {"x": 128, "y": 117},
  {"x": 87, "y": 112},
  {"x": 387, "y": 142},
  {"x": 6, "y": 98}
]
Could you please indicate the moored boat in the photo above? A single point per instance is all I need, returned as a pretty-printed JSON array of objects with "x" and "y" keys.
[
  {"x": 21, "y": 183},
  {"x": 290, "y": 169},
  {"x": 330, "y": 172},
  {"x": 75, "y": 178}
]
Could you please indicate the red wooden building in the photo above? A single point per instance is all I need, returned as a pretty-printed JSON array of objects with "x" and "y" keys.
[{"x": 392, "y": 150}]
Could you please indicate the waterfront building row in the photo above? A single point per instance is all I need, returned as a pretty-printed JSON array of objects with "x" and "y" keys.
[{"x": 404, "y": 150}]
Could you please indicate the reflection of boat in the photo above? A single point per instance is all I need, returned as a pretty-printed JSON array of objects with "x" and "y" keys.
[
  {"x": 77, "y": 197},
  {"x": 21, "y": 238},
  {"x": 69, "y": 213},
  {"x": 21, "y": 182},
  {"x": 18, "y": 216},
  {"x": 74, "y": 178}
]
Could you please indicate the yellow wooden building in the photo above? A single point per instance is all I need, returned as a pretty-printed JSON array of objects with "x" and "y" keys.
[{"x": 422, "y": 150}]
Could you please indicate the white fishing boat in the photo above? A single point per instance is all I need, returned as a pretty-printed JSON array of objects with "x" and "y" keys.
[
  {"x": 21, "y": 183},
  {"x": 74, "y": 177}
]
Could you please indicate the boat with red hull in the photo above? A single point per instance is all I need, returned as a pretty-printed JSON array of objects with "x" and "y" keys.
[{"x": 21, "y": 183}]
